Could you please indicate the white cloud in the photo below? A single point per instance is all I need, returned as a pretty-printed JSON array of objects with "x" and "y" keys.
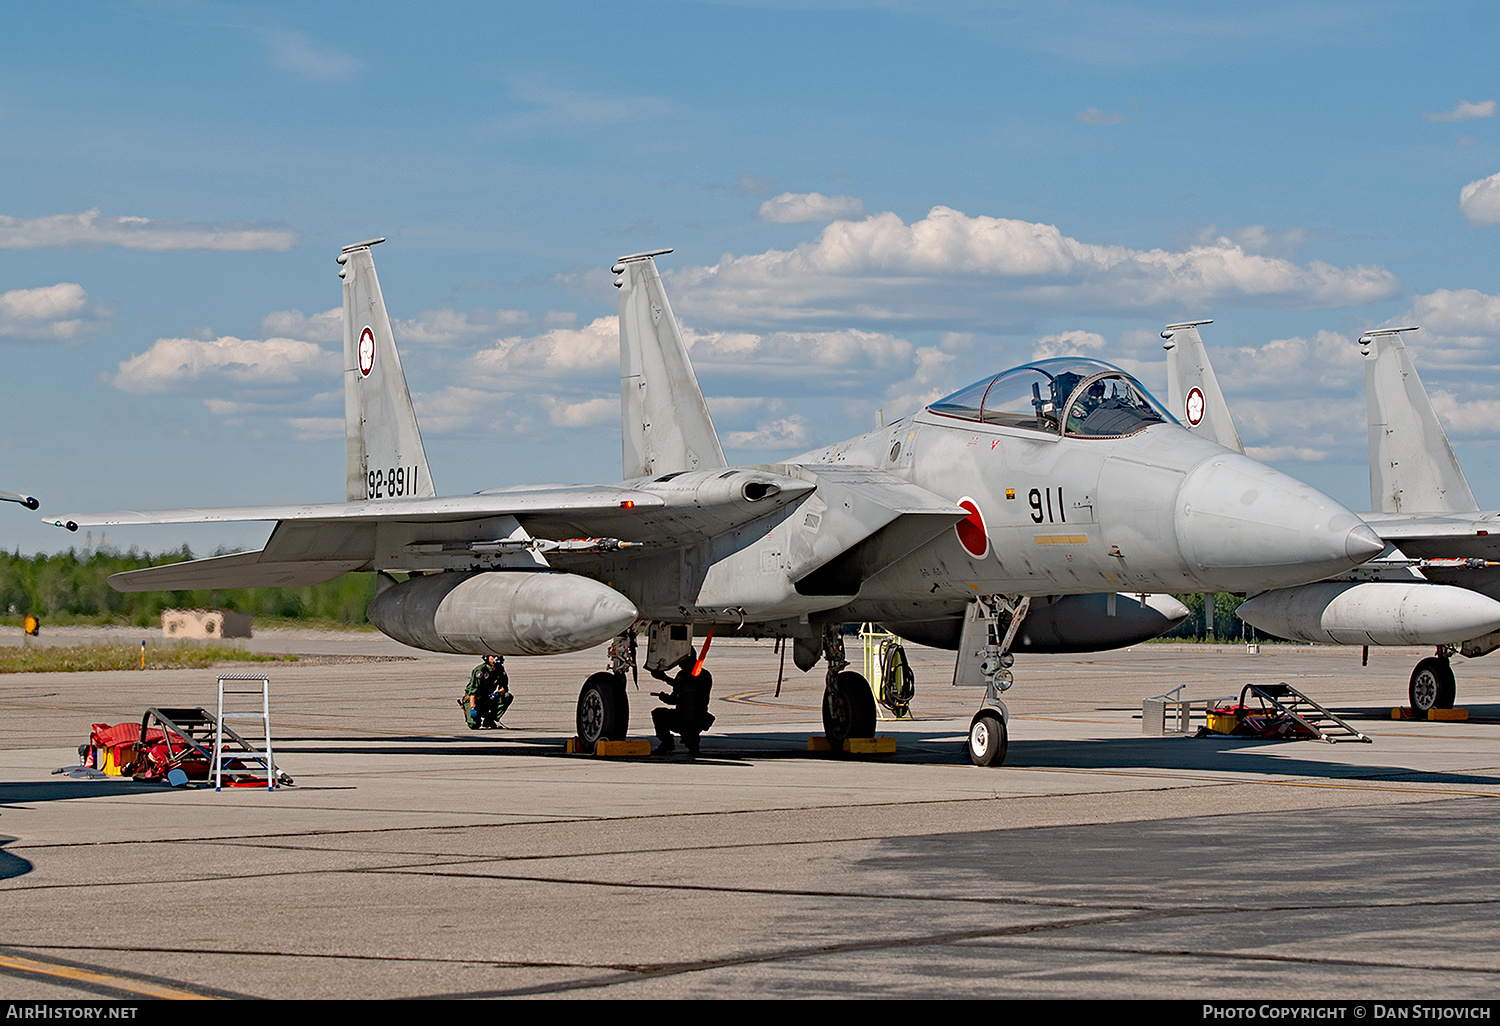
[
  {"x": 60, "y": 312},
  {"x": 804, "y": 207},
  {"x": 454, "y": 408},
  {"x": 782, "y": 433},
  {"x": 1095, "y": 116},
  {"x": 1252, "y": 238},
  {"x": 327, "y": 326},
  {"x": 1068, "y": 343},
  {"x": 171, "y": 363},
  {"x": 428, "y": 327},
  {"x": 1465, "y": 111},
  {"x": 448, "y": 325},
  {"x": 1480, "y": 201},
  {"x": 88, "y": 229},
  {"x": 593, "y": 348},
  {"x": 582, "y": 414},
  {"x": 950, "y": 267},
  {"x": 1464, "y": 317},
  {"x": 1466, "y": 418}
]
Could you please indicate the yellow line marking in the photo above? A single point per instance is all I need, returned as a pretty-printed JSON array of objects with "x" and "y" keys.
[
  {"x": 1060, "y": 539},
  {"x": 68, "y": 972}
]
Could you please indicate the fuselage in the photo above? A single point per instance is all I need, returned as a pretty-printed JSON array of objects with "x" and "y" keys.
[{"x": 1139, "y": 505}]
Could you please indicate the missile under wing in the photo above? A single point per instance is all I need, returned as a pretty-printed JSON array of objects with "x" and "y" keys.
[{"x": 1026, "y": 494}]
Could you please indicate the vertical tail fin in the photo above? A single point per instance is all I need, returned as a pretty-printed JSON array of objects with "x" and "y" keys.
[
  {"x": 1192, "y": 388},
  {"x": 1412, "y": 465},
  {"x": 383, "y": 453},
  {"x": 664, "y": 420}
]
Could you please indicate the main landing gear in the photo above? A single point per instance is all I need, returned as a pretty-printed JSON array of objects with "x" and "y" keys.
[
  {"x": 1432, "y": 685},
  {"x": 848, "y": 703},
  {"x": 603, "y": 705},
  {"x": 990, "y": 630}
]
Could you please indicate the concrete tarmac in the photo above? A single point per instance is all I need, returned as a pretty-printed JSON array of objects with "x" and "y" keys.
[{"x": 413, "y": 858}]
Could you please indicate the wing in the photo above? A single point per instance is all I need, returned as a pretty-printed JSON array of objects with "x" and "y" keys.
[
  {"x": 25, "y": 500},
  {"x": 316, "y": 542}
]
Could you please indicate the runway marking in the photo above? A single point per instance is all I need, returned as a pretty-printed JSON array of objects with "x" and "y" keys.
[{"x": 78, "y": 975}]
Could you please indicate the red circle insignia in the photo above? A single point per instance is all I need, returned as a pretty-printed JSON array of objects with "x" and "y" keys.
[
  {"x": 366, "y": 352},
  {"x": 1194, "y": 406},
  {"x": 971, "y": 533}
]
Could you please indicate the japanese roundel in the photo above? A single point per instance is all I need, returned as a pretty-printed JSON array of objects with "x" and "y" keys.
[
  {"x": 1193, "y": 407},
  {"x": 971, "y": 532},
  {"x": 366, "y": 352}
]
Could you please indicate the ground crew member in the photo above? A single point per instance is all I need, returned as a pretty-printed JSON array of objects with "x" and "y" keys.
[
  {"x": 688, "y": 715},
  {"x": 488, "y": 694}
]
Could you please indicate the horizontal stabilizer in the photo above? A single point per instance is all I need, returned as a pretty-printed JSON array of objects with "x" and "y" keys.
[{"x": 241, "y": 570}]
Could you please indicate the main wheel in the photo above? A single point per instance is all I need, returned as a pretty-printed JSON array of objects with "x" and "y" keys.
[
  {"x": 603, "y": 709},
  {"x": 1432, "y": 685},
  {"x": 848, "y": 709},
  {"x": 987, "y": 739}
]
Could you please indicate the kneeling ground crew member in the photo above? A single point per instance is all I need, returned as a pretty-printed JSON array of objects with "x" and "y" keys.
[
  {"x": 488, "y": 694},
  {"x": 689, "y": 699}
]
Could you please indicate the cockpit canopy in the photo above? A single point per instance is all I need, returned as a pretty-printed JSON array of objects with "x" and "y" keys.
[{"x": 1069, "y": 395}]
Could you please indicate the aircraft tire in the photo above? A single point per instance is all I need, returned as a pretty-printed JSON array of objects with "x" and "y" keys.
[
  {"x": 1432, "y": 685},
  {"x": 603, "y": 709},
  {"x": 988, "y": 739},
  {"x": 848, "y": 709}
]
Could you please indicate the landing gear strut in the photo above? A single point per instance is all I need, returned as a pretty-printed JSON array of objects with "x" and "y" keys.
[
  {"x": 603, "y": 705},
  {"x": 988, "y": 654},
  {"x": 848, "y": 704}
]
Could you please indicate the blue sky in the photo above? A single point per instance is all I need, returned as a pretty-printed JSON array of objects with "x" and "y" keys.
[{"x": 871, "y": 205}]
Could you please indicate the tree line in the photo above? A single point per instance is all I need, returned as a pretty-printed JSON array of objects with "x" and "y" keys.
[{"x": 72, "y": 588}]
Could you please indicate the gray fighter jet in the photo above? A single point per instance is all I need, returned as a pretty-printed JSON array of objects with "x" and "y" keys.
[
  {"x": 1437, "y": 582},
  {"x": 1034, "y": 509}
]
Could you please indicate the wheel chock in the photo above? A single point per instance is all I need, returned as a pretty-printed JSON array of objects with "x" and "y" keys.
[
  {"x": 1402, "y": 712},
  {"x": 611, "y": 749},
  {"x": 883, "y": 745}
]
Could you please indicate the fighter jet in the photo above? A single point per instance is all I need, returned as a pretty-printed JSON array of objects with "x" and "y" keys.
[
  {"x": 1040, "y": 504},
  {"x": 24, "y": 500},
  {"x": 1437, "y": 581}
]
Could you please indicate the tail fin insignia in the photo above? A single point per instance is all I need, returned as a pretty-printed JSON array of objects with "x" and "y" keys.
[{"x": 383, "y": 454}]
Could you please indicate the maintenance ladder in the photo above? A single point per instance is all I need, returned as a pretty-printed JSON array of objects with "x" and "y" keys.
[
  {"x": 1324, "y": 725},
  {"x": 1171, "y": 713},
  {"x": 246, "y": 752}
]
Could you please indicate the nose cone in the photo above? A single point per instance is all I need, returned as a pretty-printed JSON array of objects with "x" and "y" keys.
[{"x": 1243, "y": 526}]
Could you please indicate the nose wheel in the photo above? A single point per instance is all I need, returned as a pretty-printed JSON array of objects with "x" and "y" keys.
[{"x": 987, "y": 739}]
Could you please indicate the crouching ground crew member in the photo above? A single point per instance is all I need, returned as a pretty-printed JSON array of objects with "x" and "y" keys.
[
  {"x": 488, "y": 694},
  {"x": 689, "y": 715}
]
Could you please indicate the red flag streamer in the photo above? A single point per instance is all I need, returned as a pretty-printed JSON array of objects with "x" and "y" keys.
[{"x": 704, "y": 654}]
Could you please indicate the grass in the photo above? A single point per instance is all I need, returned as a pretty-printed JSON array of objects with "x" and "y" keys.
[{"x": 78, "y": 658}]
